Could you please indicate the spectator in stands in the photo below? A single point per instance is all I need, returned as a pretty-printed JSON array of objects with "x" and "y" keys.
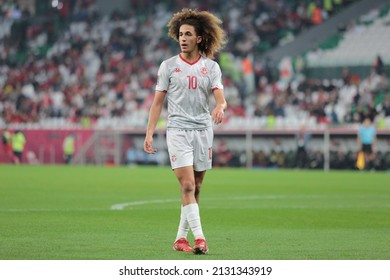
[
  {"x": 316, "y": 13},
  {"x": 386, "y": 106},
  {"x": 316, "y": 159},
  {"x": 328, "y": 6},
  {"x": 378, "y": 65},
  {"x": 259, "y": 159}
]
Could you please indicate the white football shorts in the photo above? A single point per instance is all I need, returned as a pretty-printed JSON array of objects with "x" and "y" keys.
[{"x": 190, "y": 147}]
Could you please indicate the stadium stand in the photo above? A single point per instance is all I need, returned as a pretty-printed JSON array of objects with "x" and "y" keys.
[
  {"x": 83, "y": 69},
  {"x": 75, "y": 67},
  {"x": 362, "y": 41}
]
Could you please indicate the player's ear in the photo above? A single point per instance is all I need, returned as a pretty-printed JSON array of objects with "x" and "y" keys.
[{"x": 199, "y": 39}]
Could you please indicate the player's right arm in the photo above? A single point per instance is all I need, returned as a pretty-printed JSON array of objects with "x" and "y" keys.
[{"x": 154, "y": 115}]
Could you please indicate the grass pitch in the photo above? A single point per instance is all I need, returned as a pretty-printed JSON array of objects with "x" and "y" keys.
[{"x": 120, "y": 213}]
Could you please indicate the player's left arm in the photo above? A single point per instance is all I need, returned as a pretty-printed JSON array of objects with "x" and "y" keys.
[{"x": 219, "y": 111}]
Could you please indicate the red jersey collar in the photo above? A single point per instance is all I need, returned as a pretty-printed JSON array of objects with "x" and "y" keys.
[{"x": 190, "y": 63}]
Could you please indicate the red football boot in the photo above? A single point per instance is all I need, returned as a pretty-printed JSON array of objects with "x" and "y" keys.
[
  {"x": 200, "y": 247},
  {"x": 182, "y": 245}
]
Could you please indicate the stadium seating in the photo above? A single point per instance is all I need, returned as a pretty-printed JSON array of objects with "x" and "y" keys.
[
  {"x": 361, "y": 43},
  {"x": 100, "y": 71}
]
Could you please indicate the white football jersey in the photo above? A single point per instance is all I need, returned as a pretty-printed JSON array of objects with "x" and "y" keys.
[{"x": 188, "y": 87}]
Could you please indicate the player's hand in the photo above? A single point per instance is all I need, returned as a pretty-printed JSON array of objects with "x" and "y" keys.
[
  {"x": 148, "y": 145},
  {"x": 217, "y": 115}
]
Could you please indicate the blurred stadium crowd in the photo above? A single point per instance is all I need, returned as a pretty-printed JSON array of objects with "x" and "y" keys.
[{"x": 77, "y": 67}]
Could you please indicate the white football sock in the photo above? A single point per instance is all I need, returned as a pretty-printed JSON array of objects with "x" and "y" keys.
[
  {"x": 184, "y": 227},
  {"x": 191, "y": 211}
]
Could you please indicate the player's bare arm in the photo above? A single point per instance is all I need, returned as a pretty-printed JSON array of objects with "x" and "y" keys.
[
  {"x": 219, "y": 111},
  {"x": 154, "y": 114}
]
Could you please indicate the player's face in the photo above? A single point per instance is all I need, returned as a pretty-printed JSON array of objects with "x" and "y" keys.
[{"x": 188, "y": 39}]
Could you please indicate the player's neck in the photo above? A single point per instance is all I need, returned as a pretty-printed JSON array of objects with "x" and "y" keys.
[{"x": 190, "y": 57}]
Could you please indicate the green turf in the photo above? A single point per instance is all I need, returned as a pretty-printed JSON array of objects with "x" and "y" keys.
[{"x": 64, "y": 213}]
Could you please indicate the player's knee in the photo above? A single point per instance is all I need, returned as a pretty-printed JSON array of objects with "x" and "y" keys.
[{"x": 187, "y": 186}]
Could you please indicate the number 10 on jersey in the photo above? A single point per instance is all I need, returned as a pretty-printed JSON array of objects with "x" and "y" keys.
[{"x": 192, "y": 82}]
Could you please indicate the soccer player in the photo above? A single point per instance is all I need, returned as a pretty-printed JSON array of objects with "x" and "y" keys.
[{"x": 187, "y": 80}]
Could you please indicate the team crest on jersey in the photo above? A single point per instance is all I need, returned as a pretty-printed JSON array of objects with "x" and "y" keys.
[
  {"x": 177, "y": 70},
  {"x": 204, "y": 71}
]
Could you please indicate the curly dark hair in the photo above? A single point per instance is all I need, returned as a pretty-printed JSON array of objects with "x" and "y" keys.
[{"x": 206, "y": 25}]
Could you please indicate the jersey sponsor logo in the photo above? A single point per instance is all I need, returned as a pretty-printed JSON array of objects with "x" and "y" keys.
[{"x": 204, "y": 71}]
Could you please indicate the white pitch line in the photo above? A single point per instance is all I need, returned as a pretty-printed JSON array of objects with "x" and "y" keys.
[
  {"x": 50, "y": 209},
  {"x": 121, "y": 206}
]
